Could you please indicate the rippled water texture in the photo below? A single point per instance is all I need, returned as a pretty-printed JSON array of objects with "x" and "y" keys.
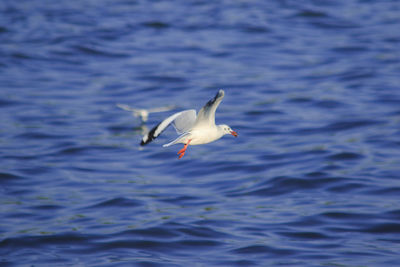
[{"x": 312, "y": 88}]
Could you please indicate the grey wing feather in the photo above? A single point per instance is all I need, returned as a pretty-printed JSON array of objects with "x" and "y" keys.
[
  {"x": 177, "y": 140},
  {"x": 185, "y": 121},
  {"x": 207, "y": 113}
]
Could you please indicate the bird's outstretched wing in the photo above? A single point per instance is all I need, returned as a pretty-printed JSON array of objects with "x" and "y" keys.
[
  {"x": 144, "y": 113},
  {"x": 162, "y": 109},
  {"x": 177, "y": 140},
  {"x": 206, "y": 114},
  {"x": 182, "y": 122}
]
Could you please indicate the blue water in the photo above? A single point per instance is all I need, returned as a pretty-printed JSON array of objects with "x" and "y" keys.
[{"x": 312, "y": 88}]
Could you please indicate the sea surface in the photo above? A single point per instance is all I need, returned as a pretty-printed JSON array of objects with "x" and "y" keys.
[{"x": 312, "y": 88}]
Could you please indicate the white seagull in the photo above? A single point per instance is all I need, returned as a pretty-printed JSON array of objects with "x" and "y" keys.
[
  {"x": 144, "y": 113},
  {"x": 192, "y": 129}
]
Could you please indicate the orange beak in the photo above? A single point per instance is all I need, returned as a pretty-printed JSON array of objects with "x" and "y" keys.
[{"x": 234, "y": 134}]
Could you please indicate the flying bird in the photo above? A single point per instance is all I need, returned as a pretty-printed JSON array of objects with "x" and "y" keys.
[{"x": 193, "y": 129}]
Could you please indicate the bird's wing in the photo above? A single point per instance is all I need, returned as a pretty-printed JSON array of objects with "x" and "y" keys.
[
  {"x": 206, "y": 114},
  {"x": 177, "y": 140},
  {"x": 185, "y": 121},
  {"x": 126, "y": 107},
  {"x": 161, "y": 109},
  {"x": 159, "y": 128}
]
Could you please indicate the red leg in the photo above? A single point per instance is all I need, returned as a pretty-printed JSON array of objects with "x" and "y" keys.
[{"x": 183, "y": 150}]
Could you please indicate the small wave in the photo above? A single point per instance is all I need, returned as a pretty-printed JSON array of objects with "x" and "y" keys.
[
  {"x": 162, "y": 232},
  {"x": 202, "y": 232},
  {"x": 159, "y": 78},
  {"x": 76, "y": 150},
  {"x": 387, "y": 191},
  {"x": 349, "y": 49},
  {"x": 392, "y": 215},
  {"x": 308, "y": 13},
  {"x": 340, "y": 215},
  {"x": 349, "y": 125},
  {"x": 98, "y": 52},
  {"x": 383, "y": 228},
  {"x": 265, "y": 250},
  {"x": 347, "y": 186},
  {"x": 328, "y": 104},
  {"x": 5, "y": 176},
  {"x": 117, "y": 203},
  {"x": 333, "y": 24},
  {"x": 44, "y": 240},
  {"x": 339, "y": 126},
  {"x": 7, "y": 102},
  {"x": 285, "y": 185},
  {"x": 345, "y": 156},
  {"x": 3, "y": 29},
  {"x": 41, "y": 135},
  {"x": 47, "y": 207},
  {"x": 357, "y": 74},
  {"x": 168, "y": 242},
  {"x": 256, "y": 29},
  {"x": 156, "y": 24},
  {"x": 305, "y": 235}
]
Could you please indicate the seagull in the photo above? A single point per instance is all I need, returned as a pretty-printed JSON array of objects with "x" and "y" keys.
[
  {"x": 192, "y": 129},
  {"x": 144, "y": 113}
]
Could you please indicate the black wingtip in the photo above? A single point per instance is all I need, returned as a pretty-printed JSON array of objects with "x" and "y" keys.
[
  {"x": 147, "y": 139},
  {"x": 219, "y": 94},
  {"x": 150, "y": 136},
  {"x": 145, "y": 142}
]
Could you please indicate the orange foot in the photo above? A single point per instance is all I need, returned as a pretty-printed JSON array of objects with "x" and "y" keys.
[
  {"x": 182, "y": 154},
  {"x": 183, "y": 150}
]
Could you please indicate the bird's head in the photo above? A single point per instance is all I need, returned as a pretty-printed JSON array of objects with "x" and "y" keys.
[{"x": 227, "y": 130}]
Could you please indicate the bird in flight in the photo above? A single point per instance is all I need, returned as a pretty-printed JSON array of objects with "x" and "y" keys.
[{"x": 193, "y": 129}]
